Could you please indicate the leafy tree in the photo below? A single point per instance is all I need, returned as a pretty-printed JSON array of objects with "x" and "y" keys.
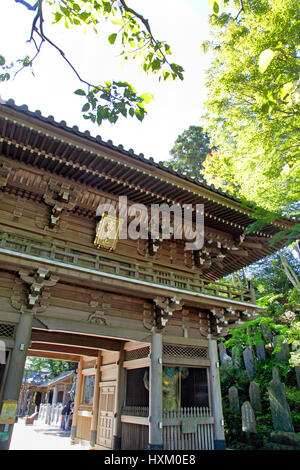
[
  {"x": 253, "y": 105},
  {"x": 277, "y": 294},
  {"x": 54, "y": 367},
  {"x": 281, "y": 300},
  {"x": 189, "y": 151},
  {"x": 129, "y": 28}
]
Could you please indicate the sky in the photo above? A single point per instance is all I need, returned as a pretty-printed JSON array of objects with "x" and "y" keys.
[{"x": 176, "y": 105}]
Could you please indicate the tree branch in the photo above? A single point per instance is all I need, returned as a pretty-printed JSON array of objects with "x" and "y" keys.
[
  {"x": 145, "y": 22},
  {"x": 242, "y": 9},
  {"x": 27, "y": 5}
]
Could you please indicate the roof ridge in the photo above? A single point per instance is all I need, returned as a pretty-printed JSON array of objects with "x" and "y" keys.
[
  {"x": 119, "y": 148},
  {"x": 109, "y": 143}
]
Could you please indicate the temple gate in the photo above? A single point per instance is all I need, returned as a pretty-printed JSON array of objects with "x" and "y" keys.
[{"x": 140, "y": 316}]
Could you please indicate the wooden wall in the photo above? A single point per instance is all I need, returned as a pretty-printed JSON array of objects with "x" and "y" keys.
[{"x": 30, "y": 214}]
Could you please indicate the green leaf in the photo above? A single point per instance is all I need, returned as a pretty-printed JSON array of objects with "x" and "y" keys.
[
  {"x": 65, "y": 11},
  {"x": 155, "y": 65},
  {"x": 58, "y": 16},
  {"x": 80, "y": 92},
  {"x": 287, "y": 87},
  {"x": 140, "y": 114},
  {"x": 265, "y": 59},
  {"x": 167, "y": 49},
  {"x": 107, "y": 7},
  {"x": 84, "y": 15},
  {"x": 112, "y": 38},
  {"x": 4, "y": 76},
  {"x": 216, "y": 8},
  {"x": 76, "y": 7},
  {"x": 147, "y": 97},
  {"x": 85, "y": 107},
  {"x": 2, "y": 60},
  {"x": 99, "y": 116}
]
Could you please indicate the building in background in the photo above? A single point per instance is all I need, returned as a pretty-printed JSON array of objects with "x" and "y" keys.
[{"x": 38, "y": 389}]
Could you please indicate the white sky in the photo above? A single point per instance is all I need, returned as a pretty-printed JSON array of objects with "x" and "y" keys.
[{"x": 177, "y": 105}]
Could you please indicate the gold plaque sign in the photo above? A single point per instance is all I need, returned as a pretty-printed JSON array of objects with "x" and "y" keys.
[{"x": 108, "y": 232}]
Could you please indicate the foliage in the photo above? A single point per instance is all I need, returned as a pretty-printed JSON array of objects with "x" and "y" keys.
[
  {"x": 281, "y": 301},
  {"x": 278, "y": 296},
  {"x": 293, "y": 396},
  {"x": 189, "y": 151},
  {"x": 231, "y": 376},
  {"x": 54, "y": 367},
  {"x": 253, "y": 105},
  {"x": 129, "y": 29}
]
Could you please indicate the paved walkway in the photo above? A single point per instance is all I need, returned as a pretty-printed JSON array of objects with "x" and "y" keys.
[{"x": 40, "y": 436}]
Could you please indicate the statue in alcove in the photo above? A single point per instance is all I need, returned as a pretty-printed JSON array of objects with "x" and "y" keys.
[{"x": 171, "y": 385}]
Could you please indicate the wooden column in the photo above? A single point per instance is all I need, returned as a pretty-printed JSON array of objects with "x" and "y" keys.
[
  {"x": 215, "y": 387},
  {"x": 15, "y": 371},
  {"x": 119, "y": 401},
  {"x": 94, "y": 422},
  {"x": 77, "y": 400},
  {"x": 155, "y": 396}
]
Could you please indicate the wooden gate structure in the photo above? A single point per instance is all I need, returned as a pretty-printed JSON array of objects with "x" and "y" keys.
[{"x": 140, "y": 316}]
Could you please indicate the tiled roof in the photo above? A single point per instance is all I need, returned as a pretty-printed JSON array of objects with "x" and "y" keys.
[{"x": 119, "y": 148}]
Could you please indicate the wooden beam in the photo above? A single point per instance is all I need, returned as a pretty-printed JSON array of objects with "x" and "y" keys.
[
  {"x": 78, "y": 351},
  {"x": 252, "y": 245},
  {"x": 238, "y": 252},
  {"x": 53, "y": 355},
  {"x": 92, "y": 342}
]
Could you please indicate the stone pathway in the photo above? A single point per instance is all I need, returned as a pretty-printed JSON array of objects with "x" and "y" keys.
[{"x": 40, "y": 436}]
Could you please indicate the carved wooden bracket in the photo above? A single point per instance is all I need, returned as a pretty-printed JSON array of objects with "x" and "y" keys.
[
  {"x": 4, "y": 174},
  {"x": 149, "y": 247},
  {"x": 147, "y": 316},
  {"x": 60, "y": 197},
  {"x": 204, "y": 324},
  {"x": 98, "y": 317},
  {"x": 38, "y": 284},
  {"x": 221, "y": 319},
  {"x": 99, "y": 314},
  {"x": 165, "y": 306}
]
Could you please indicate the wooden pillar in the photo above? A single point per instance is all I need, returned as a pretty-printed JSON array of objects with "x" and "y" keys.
[
  {"x": 119, "y": 401},
  {"x": 94, "y": 422},
  {"x": 215, "y": 387},
  {"x": 155, "y": 397},
  {"x": 77, "y": 401},
  {"x": 15, "y": 371}
]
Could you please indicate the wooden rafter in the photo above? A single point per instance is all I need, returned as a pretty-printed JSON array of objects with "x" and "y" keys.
[{"x": 67, "y": 339}]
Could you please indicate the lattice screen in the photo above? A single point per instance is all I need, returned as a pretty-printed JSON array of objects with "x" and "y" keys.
[
  {"x": 137, "y": 353},
  {"x": 185, "y": 352},
  {"x": 7, "y": 330}
]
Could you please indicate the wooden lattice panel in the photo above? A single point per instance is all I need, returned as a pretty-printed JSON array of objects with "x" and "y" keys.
[
  {"x": 137, "y": 353},
  {"x": 7, "y": 330},
  {"x": 190, "y": 352}
]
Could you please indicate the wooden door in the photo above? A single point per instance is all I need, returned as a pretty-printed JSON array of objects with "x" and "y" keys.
[{"x": 106, "y": 415}]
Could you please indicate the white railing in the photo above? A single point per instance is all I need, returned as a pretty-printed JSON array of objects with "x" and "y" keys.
[
  {"x": 188, "y": 429},
  {"x": 50, "y": 414}
]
